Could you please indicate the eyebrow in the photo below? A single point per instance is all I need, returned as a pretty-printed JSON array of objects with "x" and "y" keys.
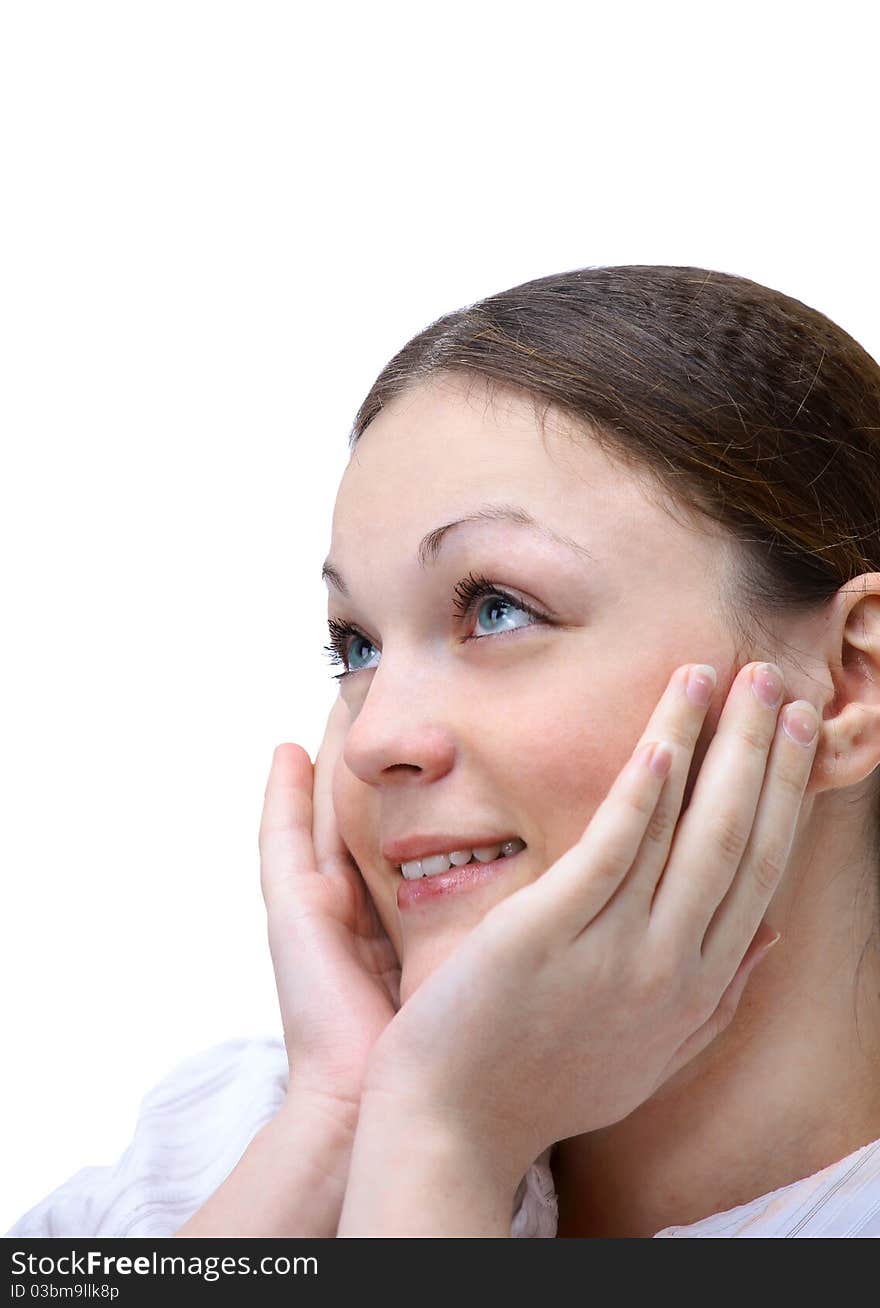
[{"x": 430, "y": 544}]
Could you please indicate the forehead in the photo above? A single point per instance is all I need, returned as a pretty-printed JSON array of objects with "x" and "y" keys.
[{"x": 449, "y": 444}]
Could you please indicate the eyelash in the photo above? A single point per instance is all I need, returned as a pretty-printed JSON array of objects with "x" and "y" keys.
[{"x": 469, "y": 590}]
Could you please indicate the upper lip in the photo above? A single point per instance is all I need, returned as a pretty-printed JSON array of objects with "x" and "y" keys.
[{"x": 419, "y": 845}]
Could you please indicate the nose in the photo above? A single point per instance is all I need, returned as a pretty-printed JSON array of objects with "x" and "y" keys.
[{"x": 399, "y": 738}]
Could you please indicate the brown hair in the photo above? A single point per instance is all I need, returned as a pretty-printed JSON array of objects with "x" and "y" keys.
[{"x": 745, "y": 405}]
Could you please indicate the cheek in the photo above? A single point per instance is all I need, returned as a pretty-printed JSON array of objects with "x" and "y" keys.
[
  {"x": 357, "y": 827},
  {"x": 574, "y": 762},
  {"x": 575, "y": 757},
  {"x": 573, "y": 769},
  {"x": 349, "y": 815},
  {"x": 356, "y": 812}
]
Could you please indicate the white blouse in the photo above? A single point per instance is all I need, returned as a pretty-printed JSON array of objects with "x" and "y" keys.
[{"x": 196, "y": 1123}]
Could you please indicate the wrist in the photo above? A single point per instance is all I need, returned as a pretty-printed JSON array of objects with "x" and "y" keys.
[
  {"x": 498, "y": 1150},
  {"x": 331, "y": 1115},
  {"x": 291, "y": 1179},
  {"x": 415, "y": 1174}
]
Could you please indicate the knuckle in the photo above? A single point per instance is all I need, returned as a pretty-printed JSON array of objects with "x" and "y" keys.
[
  {"x": 601, "y": 851},
  {"x": 767, "y": 865},
  {"x": 728, "y": 836},
  {"x": 679, "y": 735},
  {"x": 791, "y": 779},
  {"x": 755, "y": 735},
  {"x": 642, "y": 802},
  {"x": 605, "y": 867},
  {"x": 659, "y": 825}
]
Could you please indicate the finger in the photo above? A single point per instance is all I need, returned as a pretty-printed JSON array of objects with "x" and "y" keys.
[
  {"x": 580, "y": 883},
  {"x": 330, "y": 849},
  {"x": 285, "y": 839},
  {"x": 727, "y": 1006},
  {"x": 770, "y": 842},
  {"x": 712, "y": 835},
  {"x": 678, "y": 719}
]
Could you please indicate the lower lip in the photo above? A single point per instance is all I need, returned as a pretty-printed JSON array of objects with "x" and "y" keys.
[{"x": 428, "y": 890}]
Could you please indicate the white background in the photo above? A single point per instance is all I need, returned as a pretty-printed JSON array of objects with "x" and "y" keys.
[{"x": 219, "y": 220}]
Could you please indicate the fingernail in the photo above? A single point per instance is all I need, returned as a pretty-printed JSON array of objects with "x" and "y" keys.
[
  {"x": 800, "y": 721},
  {"x": 767, "y": 684},
  {"x": 700, "y": 684},
  {"x": 661, "y": 759},
  {"x": 765, "y": 949}
]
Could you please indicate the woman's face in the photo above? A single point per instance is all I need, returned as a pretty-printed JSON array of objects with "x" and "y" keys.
[{"x": 493, "y": 721}]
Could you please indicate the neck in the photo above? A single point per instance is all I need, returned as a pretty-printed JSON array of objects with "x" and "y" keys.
[{"x": 788, "y": 1088}]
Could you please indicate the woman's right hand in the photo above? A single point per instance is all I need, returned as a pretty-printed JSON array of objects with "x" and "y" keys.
[{"x": 336, "y": 972}]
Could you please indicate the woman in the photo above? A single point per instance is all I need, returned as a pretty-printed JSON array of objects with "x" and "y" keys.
[{"x": 654, "y": 472}]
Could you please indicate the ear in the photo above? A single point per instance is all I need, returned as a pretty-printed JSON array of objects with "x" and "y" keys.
[{"x": 849, "y": 744}]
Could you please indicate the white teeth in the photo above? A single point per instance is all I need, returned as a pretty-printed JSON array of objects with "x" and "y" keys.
[
  {"x": 487, "y": 853},
  {"x": 429, "y": 867},
  {"x": 436, "y": 863}
]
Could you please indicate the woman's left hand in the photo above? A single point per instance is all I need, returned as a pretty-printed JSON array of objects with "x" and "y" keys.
[{"x": 575, "y": 998}]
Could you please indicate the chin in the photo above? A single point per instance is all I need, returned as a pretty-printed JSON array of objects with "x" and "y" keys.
[{"x": 424, "y": 944}]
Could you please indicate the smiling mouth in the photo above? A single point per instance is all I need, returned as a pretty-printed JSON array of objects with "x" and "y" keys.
[
  {"x": 439, "y": 864},
  {"x": 424, "y": 891}
]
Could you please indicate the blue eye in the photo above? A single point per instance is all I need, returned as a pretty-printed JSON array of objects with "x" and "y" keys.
[
  {"x": 339, "y": 650},
  {"x": 468, "y": 591}
]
